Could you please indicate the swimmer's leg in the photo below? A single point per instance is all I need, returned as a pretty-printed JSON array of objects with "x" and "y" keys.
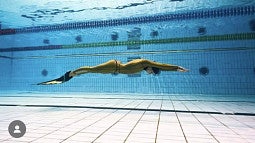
[
  {"x": 66, "y": 77},
  {"x": 81, "y": 70},
  {"x": 104, "y": 68},
  {"x": 107, "y": 67}
]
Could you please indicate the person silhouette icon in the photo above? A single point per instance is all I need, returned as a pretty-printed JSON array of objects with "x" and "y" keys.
[{"x": 17, "y": 130}]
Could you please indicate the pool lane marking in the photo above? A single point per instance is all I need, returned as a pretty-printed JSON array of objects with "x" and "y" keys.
[
  {"x": 188, "y": 15},
  {"x": 226, "y": 37},
  {"x": 135, "y": 109},
  {"x": 139, "y": 52}
]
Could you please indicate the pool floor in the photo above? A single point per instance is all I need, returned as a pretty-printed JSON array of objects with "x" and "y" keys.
[{"x": 128, "y": 118}]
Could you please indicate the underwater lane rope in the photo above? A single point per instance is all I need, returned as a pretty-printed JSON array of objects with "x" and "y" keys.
[
  {"x": 242, "y": 36},
  {"x": 198, "y": 14},
  {"x": 139, "y": 52},
  {"x": 226, "y": 37}
]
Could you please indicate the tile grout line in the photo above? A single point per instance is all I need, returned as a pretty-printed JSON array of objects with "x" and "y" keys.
[
  {"x": 200, "y": 123},
  {"x": 110, "y": 127},
  {"x": 116, "y": 122},
  {"x": 247, "y": 125},
  {"x": 65, "y": 97},
  {"x": 156, "y": 137},
  {"x": 137, "y": 109},
  {"x": 89, "y": 125},
  {"x": 45, "y": 126},
  {"x": 92, "y": 123},
  {"x": 241, "y": 106},
  {"x": 66, "y": 125},
  {"x": 215, "y": 119},
  {"x": 206, "y": 128},
  {"x": 136, "y": 123},
  {"x": 228, "y": 127},
  {"x": 179, "y": 122}
]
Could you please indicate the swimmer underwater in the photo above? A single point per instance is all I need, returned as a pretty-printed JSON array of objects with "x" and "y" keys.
[{"x": 116, "y": 67}]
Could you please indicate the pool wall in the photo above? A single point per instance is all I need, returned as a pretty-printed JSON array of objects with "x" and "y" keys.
[
  {"x": 5, "y": 74},
  {"x": 217, "y": 48}
]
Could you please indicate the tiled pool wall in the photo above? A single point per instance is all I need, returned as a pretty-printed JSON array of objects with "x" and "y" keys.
[
  {"x": 5, "y": 73},
  {"x": 218, "y": 64}
]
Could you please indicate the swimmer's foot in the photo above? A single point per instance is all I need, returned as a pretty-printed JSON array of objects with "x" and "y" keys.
[{"x": 66, "y": 77}]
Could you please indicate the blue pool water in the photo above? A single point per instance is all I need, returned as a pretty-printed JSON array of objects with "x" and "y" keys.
[
  {"x": 212, "y": 102},
  {"x": 214, "y": 40}
]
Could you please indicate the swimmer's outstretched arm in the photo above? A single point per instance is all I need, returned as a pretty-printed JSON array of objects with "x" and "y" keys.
[{"x": 165, "y": 67}]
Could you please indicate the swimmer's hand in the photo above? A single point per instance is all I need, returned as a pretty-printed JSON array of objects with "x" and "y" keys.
[
  {"x": 60, "y": 80},
  {"x": 181, "y": 69}
]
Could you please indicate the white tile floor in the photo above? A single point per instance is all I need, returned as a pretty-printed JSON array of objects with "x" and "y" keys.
[{"x": 125, "y": 118}]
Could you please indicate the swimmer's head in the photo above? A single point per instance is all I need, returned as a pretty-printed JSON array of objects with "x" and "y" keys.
[{"x": 152, "y": 70}]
